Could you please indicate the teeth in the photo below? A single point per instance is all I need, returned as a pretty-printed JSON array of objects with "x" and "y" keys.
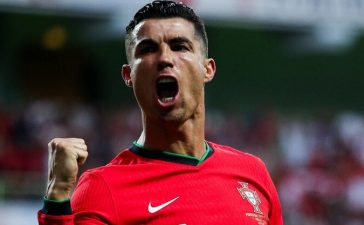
[
  {"x": 166, "y": 80},
  {"x": 167, "y": 99}
]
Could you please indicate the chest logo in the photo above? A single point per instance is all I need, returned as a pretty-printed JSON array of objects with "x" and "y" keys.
[
  {"x": 251, "y": 196},
  {"x": 154, "y": 209}
]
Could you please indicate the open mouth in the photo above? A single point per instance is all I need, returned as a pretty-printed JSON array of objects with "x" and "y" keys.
[{"x": 167, "y": 89}]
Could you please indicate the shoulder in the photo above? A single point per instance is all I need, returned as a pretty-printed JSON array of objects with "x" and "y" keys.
[
  {"x": 231, "y": 152},
  {"x": 95, "y": 184},
  {"x": 249, "y": 166},
  {"x": 245, "y": 163},
  {"x": 122, "y": 163}
]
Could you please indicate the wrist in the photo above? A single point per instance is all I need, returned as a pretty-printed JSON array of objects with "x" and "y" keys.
[
  {"x": 45, "y": 198},
  {"x": 59, "y": 191}
]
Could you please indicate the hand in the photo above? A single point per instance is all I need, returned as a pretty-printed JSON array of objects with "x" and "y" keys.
[{"x": 65, "y": 156}]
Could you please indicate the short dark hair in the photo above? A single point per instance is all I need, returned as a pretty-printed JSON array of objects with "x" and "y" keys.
[{"x": 167, "y": 9}]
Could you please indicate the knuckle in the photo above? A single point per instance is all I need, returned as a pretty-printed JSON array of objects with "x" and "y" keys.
[
  {"x": 52, "y": 145},
  {"x": 61, "y": 145},
  {"x": 81, "y": 140}
]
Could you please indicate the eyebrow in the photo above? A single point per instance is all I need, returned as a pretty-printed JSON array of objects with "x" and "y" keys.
[
  {"x": 176, "y": 40},
  {"x": 146, "y": 41}
]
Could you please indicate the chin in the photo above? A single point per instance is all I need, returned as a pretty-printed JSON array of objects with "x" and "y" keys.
[{"x": 173, "y": 116}]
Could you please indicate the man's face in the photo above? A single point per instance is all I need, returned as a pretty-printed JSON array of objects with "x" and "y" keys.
[{"x": 168, "y": 69}]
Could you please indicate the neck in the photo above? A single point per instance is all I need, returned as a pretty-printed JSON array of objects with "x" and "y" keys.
[{"x": 186, "y": 138}]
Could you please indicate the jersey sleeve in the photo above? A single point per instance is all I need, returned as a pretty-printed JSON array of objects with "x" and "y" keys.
[
  {"x": 46, "y": 219},
  {"x": 91, "y": 205},
  {"x": 56, "y": 212},
  {"x": 92, "y": 201}
]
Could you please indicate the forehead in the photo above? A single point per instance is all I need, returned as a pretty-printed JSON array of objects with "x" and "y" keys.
[{"x": 163, "y": 29}]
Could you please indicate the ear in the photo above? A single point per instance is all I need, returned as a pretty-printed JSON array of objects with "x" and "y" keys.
[
  {"x": 210, "y": 67},
  {"x": 125, "y": 73}
]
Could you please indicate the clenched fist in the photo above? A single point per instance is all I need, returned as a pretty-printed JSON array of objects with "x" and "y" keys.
[{"x": 65, "y": 156}]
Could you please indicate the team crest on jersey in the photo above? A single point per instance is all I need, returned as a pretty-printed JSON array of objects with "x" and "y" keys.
[{"x": 251, "y": 196}]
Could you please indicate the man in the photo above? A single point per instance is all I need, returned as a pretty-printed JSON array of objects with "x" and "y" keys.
[{"x": 170, "y": 175}]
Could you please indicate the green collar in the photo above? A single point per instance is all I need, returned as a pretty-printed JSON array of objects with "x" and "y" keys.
[{"x": 170, "y": 156}]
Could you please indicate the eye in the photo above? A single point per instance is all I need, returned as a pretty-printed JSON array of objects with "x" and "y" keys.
[
  {"x": 147, "y": 49},
  {"x": 180, "y": 47}
]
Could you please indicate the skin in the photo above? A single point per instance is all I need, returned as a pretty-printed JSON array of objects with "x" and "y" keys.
[
  {"x": 65, "y": 156},
  {"x": 170, "y": 47},
  {"x": 160, "y": 48}
]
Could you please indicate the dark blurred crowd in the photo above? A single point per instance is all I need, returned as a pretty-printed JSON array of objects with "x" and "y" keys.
[{"x": 316, "y": 159}]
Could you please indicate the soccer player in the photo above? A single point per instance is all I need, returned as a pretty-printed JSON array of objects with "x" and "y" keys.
[{"x": 170, "y": 174}]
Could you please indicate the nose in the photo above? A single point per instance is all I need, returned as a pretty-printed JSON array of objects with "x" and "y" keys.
[{"x": 165, "y": 58}]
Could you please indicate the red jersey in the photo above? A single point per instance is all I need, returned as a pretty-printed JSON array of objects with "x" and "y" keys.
[{"x": 140, "y": 186}]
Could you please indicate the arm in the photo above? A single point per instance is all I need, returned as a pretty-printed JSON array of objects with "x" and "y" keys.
[
  {"x": 91, "y": 205},
  {"x": 65, "y": 156}
]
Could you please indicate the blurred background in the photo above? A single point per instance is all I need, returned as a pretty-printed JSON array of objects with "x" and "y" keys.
[{"x": 288, "y": 88}]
